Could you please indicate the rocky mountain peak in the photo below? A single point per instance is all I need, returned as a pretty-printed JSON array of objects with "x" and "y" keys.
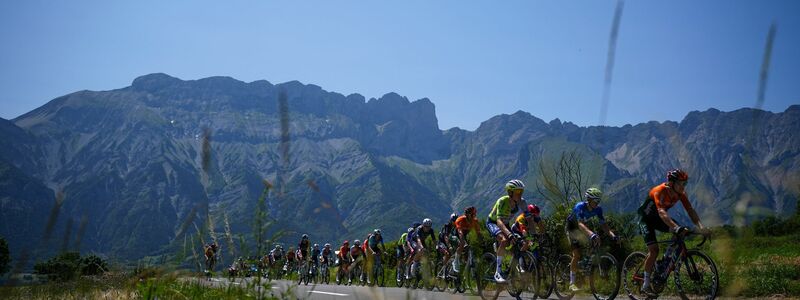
[{"x": 155, "y": 81}]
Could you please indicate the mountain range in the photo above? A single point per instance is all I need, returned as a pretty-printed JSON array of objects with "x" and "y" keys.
[{"x": 127, "y": 169}]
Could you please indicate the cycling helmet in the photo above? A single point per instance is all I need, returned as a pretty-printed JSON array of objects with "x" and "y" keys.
[
  {"x": 415, "y": 225},
  {"x": 316, "y": 246},
  {"x": 677, "y": 175},
  {"x": 533, "y": 209},
  {"x": 357, "y": 243},
  {"x": 305, "y": 236},
  {"x": 470, "y": 210},
  {"x": 593, "y": 194},
  {"x": 453, "y": 217},
  {"x": 410, "y": 229},
  {"x": 427, "y": 222},
  {"x": 327, "y": 245},
  {"x": 514, "y": 185},
  {"x": 377, "y": 231},
  {"x": 346, "y": 243}
]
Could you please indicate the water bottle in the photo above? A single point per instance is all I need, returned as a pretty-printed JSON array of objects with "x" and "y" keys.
[{"x": 661, "y": 264}]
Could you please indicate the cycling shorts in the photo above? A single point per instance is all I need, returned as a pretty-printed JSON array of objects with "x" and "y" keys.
[
  {"x": 648, "y": 226},
  {"x": 494, "y": 230}
]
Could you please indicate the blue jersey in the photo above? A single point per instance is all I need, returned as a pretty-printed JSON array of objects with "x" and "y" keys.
[
  {"x": 582, "y": 213},
  {"x": 422, "y": 234}
]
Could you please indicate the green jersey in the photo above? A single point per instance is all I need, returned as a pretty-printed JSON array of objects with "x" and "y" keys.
[
  {"x": 502, "y": 210},
  {"x": 402, "y": 240}
]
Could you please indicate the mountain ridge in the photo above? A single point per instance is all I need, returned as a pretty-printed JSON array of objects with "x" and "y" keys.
[{"x": 131, "y": 159}]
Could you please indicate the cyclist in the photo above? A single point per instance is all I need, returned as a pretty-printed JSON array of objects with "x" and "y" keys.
[
  {"x": 276, "y": 254},
  {"x": 417, "y": 242},
  {"x": 654, "y": 216},
  {"x": 302, "y": 248},
  {"x": 326, "y": 254},
  {"x": 315, "y": 256},
  {"x": 356, "y": 254},
  {"x": 408, "y": 245},
  {"x": 524, "y": 220},
  {"x": 290, "y": 256},
  {"x": 210, "y": 252},
  {"x": 577, "y": 231},
  {"x": 445, "y": 235},
  {"x": 344, "y": 257},
  {"x": 402, "y": 249},
  {"x": 374, "y": 243},
  {"x": 499, "y": 221},
  {"x": 464, "y": 224}
]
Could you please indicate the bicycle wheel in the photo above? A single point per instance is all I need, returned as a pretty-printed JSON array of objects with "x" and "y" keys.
[
  {"x": 380, "y": 277},
  {"x": 562, "y": 277},
  {"x": 633, "y": 275},
  {"x": 604, "y": 277},
  {"x": 521, "y": 277},
  {"x": 484, "y": 277},
  {"x": 428, "y": 274},
  {"x": 400, "y": 276},
  {"x": 545, "y": 279},
  {"x": 468, "y": 275},
  {"x": 455, "y": 278},
  {"x": 358, "y": 275},
  {"x": 300, "y": 276},
  {"x": 441, "y": 279},
  {"x": 696, "y": 277}
]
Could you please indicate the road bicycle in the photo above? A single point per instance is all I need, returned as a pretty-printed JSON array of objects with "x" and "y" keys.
[
  {"x": 325, "y": 272},
  {"x": 695, "y": 273},
  {"x": 377, "y": 271},
  {"x": 464, "y": 279},
  {"x": 545, "y": 270},
  {"x": 599, "y": 267},
  {"x": 520, "y": 272}
]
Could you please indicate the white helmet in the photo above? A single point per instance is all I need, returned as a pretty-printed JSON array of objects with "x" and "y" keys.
[
  {"x": 357, "y": 243},
  {"x": 515, "y": 184},
  {"x": 427, "y": 222}
]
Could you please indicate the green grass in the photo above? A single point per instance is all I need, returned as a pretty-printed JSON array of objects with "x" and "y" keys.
[{"x": 752, "y": 266}]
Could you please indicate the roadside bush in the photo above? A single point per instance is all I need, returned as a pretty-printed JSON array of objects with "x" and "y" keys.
[
  {"x": 66, "y": 266},
  {"x": 773, "y": 226},
  {"x": 93, "y": 265},
  {"x": 63, "y": 267}
]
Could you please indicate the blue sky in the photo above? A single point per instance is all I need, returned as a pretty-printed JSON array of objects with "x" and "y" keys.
[{"x": 473, "y": 59}]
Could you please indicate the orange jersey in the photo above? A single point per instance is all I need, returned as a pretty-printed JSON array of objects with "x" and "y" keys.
[
  {"x": 463, "y": 224},
  {"x": 661, "y": 196}
]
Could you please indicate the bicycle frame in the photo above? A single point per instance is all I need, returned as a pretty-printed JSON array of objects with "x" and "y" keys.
[{"x": 676, "y": 256}]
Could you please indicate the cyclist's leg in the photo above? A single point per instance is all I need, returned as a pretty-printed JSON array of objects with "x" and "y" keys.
[
  {"x": 649, "y": 226},
  {"x": 500, "y": 239},
  {"x": 458, "y": 252},
  {"x": 576, "y": 240}
]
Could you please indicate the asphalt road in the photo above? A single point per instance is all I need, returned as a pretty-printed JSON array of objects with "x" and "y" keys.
[{"x": 340, "y": 292}]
